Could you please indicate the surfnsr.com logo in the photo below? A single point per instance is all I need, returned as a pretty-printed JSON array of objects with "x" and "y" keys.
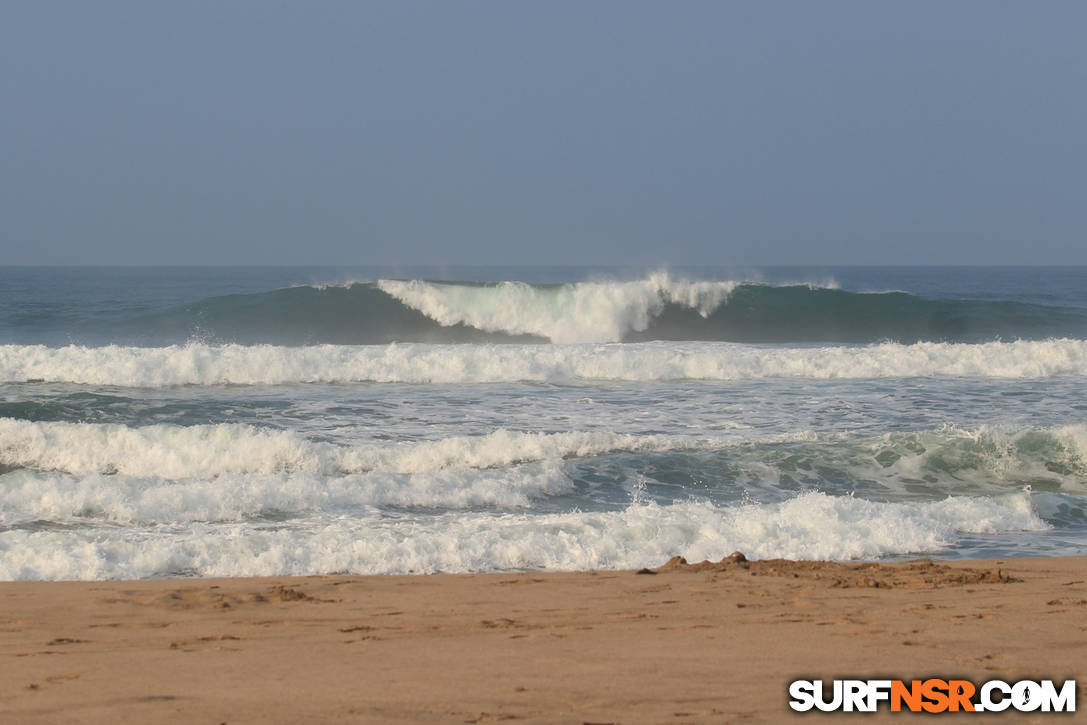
[{"x": 932, "y": 695}]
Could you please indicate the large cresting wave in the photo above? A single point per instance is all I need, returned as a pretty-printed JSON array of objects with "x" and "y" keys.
[{"x": 658, "y": 307}]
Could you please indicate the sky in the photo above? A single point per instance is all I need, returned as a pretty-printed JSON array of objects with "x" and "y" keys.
[{"x": 456, "y": 132}]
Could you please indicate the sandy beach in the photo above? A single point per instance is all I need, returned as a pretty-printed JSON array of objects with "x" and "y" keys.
[{"x": 682, "y": 643}]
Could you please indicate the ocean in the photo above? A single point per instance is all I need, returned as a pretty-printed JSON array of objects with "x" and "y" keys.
[{"x": 229, "y": 421}]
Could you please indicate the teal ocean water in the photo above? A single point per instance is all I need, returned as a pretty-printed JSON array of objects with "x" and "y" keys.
[{"x": 255, "y": 421}]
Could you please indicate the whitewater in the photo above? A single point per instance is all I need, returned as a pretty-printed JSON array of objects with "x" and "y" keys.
[
  {"x": 258, "y": 421},
  {"x": 585, "y": 312},
  {"x": 202, "y": 364}
]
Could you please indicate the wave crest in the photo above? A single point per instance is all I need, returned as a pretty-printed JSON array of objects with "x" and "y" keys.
[
  {"x": 658, "y": 307},
  {"x": 582, "y": 312}
]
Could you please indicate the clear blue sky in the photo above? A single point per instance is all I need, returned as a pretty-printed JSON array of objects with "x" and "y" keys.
[{"x": 543, "y": 132}]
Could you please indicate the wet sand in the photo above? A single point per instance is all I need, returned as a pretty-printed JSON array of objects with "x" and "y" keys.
[{"x": 681, "y": 643}]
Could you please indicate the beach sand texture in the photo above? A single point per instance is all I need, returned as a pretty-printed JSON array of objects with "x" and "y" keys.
[{"x": 679, "y": 644}]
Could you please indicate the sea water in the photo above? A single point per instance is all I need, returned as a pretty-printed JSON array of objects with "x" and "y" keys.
[{"x": 257, "y": 421}]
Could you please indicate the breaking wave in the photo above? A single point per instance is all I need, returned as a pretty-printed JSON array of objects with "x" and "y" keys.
[
  {"x": 170, "y": 474},
  {"x": 238, "y": 500},
  {"x": 655, "y": 308},
  {"x": 174, "y": 451},
  {"x": 583, "y": 312},
  {"x": 204, "y": 364},
  {"x": 808, "y": 526}
]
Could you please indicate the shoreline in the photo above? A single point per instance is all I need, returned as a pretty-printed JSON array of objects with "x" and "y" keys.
[{"x": 707, "y": 642}]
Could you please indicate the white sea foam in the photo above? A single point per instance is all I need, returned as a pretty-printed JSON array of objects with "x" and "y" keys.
[
  {"x": 1001, "y": 453},
  {"x": 200, "y": 364},
  {"x": 976, "y": 458},
  {"x": 173, "y": 451},
  {"x": 581, "y": 312},
  {"x": 28, "y": 496},
  {"x": 949, "y": 459},
  {"x": 810, "y": 526}
]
